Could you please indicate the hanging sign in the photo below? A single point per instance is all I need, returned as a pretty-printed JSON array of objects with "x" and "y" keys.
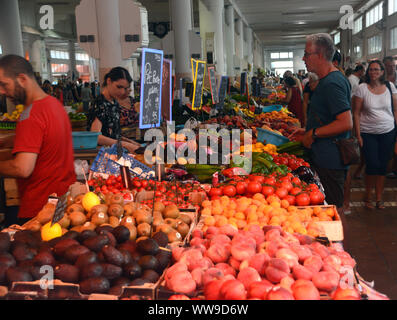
[
  {"x": 198, "y": 85},
  {"x": 222, "y": 92},
  {"x": 151, "y": 85},
  {"x": 166, "y": 91},
  {"x": 214, "y": 90}
]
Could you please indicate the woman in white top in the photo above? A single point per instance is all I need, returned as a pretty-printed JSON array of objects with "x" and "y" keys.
[{"x": 374, "y": 120}]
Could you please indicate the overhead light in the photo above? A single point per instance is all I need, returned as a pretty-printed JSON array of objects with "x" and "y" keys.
[{"x": 294, "y": 13}]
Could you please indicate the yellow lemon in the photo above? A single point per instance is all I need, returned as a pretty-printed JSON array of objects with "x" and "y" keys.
[
  {"x": 49, "y": 232},
  {"x": 90, "y": 200}
]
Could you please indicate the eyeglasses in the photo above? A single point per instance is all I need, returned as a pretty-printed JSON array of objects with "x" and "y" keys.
[
  {"x": 374, "y": 69},
  {"x": 309, "y": 54}
]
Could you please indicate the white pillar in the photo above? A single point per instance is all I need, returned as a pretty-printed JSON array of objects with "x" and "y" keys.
[
  {"x": 109, "y": 36},
  {"x": 240, "y": 44},
  {"x": 181, "y": 17},
  {"x": 73, "y": 74},
  {"x": 231, "y": 49},
  {"x": 250, "y": 56},
  {"x": 217, "y": 10},
  {"x": 10, "y": 28}
]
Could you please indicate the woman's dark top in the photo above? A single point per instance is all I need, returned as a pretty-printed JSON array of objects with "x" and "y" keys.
[
  {"x": 108, "y": 113},
  {"x": 129, "y": 117}
]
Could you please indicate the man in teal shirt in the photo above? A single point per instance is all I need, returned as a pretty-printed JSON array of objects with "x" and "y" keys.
[{"x": 329, "y": 117}]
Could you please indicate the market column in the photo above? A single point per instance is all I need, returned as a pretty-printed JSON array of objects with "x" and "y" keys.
[
  {"x": 109, "y": 36},
  {"x": 217, "y": 9},
  {"x": 240, "y": 43},
  {"x": 10, "y": 28},
  {"x": 73, "y": 74},
  {"x": 231, "y": 49},
  {"x": 181, "y": 17},
  {"x": 250, "y": 57}
]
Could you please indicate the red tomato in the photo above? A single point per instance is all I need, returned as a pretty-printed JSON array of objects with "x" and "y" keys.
[
  {"x": 295, "y": 191},
  {"x": 260, "y": 179},
  {"x": 118, "y": 179},
  {"x": 241, "y": 187},
  {"x": 229, "y": 191},
  {"x": 267, "y": 191},
  {"x": 215, "y": 192},
  {"x": 302, "y": 199},
  {"x": 316, "y": 198},
  {"x": 296, "y": 180},
  {"x": 254, "y": 187},
  {"x": 284, "y": 161},
  {"x": 313, "y": 187},
  {"x": 281, "y": 192},
  {"x": 144, "y": 183},
  {"x": 287, "y": 185},
  {"x": 290, "y": 199},
  {"x": 97, "y": 189},
  {"x": 136, "y": 184},
  {"x": 270, "y": 181}
]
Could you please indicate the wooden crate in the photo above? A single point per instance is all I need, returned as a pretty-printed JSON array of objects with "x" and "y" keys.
[
  {"x": 11, "y": 191},
  {"x": 333, "y": 230}
]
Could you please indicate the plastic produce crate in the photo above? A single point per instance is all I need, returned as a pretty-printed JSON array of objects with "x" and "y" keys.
[
  {"x": 271, "y": 108},
  {"x": 8, "y": 125},
  {"x": 271, "y": 137},
  {"x": 85, "y": 140}
]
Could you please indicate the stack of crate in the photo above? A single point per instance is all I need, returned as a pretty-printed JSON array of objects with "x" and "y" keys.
[{"x": 11, "y": 191}]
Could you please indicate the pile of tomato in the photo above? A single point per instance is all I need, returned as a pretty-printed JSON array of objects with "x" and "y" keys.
[
  {"x": 287, "y": 187},
  {"x": 290, "y": 160}
]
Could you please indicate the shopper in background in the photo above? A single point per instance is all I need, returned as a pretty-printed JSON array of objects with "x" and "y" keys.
[
  {"x": 86, "y": 97},
  {"x": 104, "y": 116},
  {"x": 374, "y": 120},
  {"x": 307, "y": 94},
  {"x": 355, "y": 77},
  {"x": 293, "y": 98},
  {"x": 287, "y": 74},
  {"x": 43, "y": 161},
  {"x": 58, "y": 92},
  {"x": 337, "y": 60},
  {"x": 391, "y": 75},
  {"x": 329, "y": 116},
  {"x": 93, "y": 90},
  {"x": 47, "y": 87}
]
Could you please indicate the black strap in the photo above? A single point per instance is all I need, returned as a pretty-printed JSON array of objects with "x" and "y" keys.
[{"x": 391, "y": 93}]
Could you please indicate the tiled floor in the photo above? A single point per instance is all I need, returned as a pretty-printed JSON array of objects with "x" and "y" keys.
[{"x": 371, "y": 238}]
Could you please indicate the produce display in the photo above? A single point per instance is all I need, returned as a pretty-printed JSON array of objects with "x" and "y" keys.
[
  {"x": 14, "y": 116},
  {"x": 267, "y": 264}
]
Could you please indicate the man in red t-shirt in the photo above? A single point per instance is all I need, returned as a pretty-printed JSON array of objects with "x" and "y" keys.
[{"x": 42, "y": 151}]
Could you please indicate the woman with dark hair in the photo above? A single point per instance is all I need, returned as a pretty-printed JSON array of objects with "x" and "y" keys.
[
  {"x": 294, "y": 98},
  {"x": 374, "y": 119},
  {"x": 105, "y": 113}
]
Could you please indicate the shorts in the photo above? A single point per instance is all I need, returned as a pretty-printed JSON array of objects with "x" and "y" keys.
[
  {"x": 333, "y": 182},
  {"x": 377, "y": 151}
]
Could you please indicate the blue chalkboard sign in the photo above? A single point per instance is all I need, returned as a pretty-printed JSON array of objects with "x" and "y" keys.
[{"x": 151, "y": 86}]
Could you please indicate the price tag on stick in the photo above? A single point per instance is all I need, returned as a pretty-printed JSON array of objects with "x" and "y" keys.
[{"x": 60, "y": 208}]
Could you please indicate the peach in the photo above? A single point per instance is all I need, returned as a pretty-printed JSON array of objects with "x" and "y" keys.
[
  {"x": 228, "y": 230},
  {"x": 320, "y": 249},
  {"x": 346, "y": 259},
  {"x": 233, "y": 290},
  {"x": 274, "y": 275},
  {"x": 191, "y": 257},
  {"x": 314, "y": 263},
  {"x": 212, "y": 274},
  {"x": 248, "y": 276},
  {"x": 257, "y": 234},
  {"x": 202, "y": 248},
  {"x": 234, "y": 263},
  {"x": 182, "y": 282},
  {"x": 196, "y": 242},
  {"x": 220, "y": 239},
  {"x": 305, "y": 290},
  {"x": 177, "y": 253},
  {"x": 279, "y": 293},
  {"x": 303, "y": 239},
  {"x": 288, "y": 256},
  {"x": 179, "y": 297},
  {"x": 334, "y": 261},
  {"x": 177, "y": 267},
  {"x": 287, "y": 283},
  {"x": 197, "y": 275},
  {"x": 197, "y": 233},
  {"x": 218, "y": 253},
  {"x": 279, "y": 264},
  {"x": 303, "y": 252},
  {"x": 242, "y": 251},
  {"x": 226, "y": 269},
  {"x": 258, "y": 262},
  {"x": 259, "y": 289},
  {"x": 301, "y": 272},
  {"x": 328, "y": 267},
  {"x": 272, "y": 233},
  {"x": 204, "y": 264},
  {"x": 326, "y": 280},
  {"x": 244, "y": 239},
  {"x": 213, "y": 289},
  {"x": 346, "y": 294}
]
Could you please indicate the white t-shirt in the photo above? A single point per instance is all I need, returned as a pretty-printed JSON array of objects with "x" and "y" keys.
[
  {"x": 376, "y": 114},
  {"x": 354, "y": 82}
]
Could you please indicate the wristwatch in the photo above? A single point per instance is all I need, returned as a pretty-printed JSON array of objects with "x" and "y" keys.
[{"x": 314, "y": 134}]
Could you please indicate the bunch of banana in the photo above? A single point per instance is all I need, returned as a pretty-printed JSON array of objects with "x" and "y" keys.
[
  {"x": 13, "y": 116},
  {"x": 286, "y": 111}
]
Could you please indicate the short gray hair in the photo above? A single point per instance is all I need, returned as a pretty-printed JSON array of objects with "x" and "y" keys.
[
  {"x": 324, "y": 44},
  {"x": 312, "y": 76}
]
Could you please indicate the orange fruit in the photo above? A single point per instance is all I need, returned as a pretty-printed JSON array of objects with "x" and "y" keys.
[
  {"x": 239, "y": 216},
  {"x": 275, "y": 204},
  {"x": 241, "y": 224},
  {"x": 252, "y": 217},
  {"x": 206, "y": 211},
  {"x": 258, "y": 196},
  {"x": 217, "y": 210},
  {"x": 209, "y": 221},
  {"x": 330, "y": 212},
  {"x": 206, "y": 203},
  {"x": 284, "y": 204},
  {"x": 221, "y": 221},
  {"x": 317, "y": 210}
]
